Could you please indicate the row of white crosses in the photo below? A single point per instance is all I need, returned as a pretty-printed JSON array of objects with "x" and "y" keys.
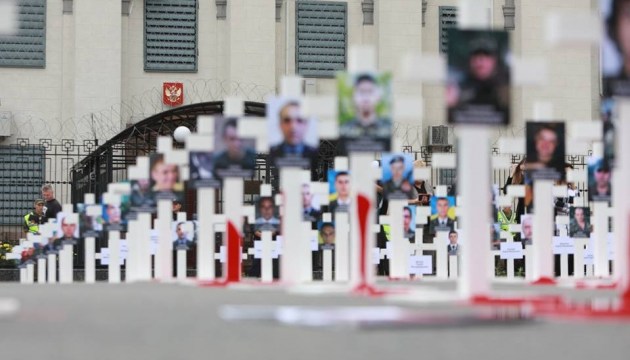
[
  {"x": 561, "y": 30},
  {"x": 355, "y": 239},
  {"x": 47, "y": 263},
  {"x": 475, "y": 165}
]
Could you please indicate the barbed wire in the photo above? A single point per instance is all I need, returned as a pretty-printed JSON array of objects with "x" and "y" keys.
[
  {"x": 104, "y": 124},
  {"x": 409, "y": 135}
]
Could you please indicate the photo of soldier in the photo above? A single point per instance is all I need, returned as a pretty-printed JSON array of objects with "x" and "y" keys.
[
  {"x": 442, "y": 214},
  {"x": 397, "y": 177},
  {"x": 545, "y": 150},
  {"x": 478, "y": 88},
  {"x": 599, "y": 176},
  {"x": 293, "y": 139},
  {"x": 233, "y": 155},
  {"x": 365, "y": 123}
]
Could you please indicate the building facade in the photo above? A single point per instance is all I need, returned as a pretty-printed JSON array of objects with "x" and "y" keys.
[{"x": 104, "y": 62}]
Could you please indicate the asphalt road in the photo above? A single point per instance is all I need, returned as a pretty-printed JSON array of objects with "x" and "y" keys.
[{"x": 170, "y": 321}]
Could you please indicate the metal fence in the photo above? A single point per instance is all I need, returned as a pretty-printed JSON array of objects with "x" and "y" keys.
[{"x": 25, "y": 166}]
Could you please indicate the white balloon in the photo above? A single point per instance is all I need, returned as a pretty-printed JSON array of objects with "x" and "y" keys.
[{"x": 181, "y": 134}]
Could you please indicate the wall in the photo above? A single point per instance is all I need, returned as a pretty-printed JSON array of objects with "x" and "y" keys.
[
  {"x": 36, "y": 94},
  {"x": 95, "y": 61}
]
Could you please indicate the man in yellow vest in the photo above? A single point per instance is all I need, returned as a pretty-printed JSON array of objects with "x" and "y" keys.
[
  {"x": 35, "y": 218},
  {"x": 505, "y": 217}
]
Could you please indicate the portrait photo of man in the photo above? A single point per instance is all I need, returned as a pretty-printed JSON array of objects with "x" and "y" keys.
[
  {"x": 442, "y": 218},
  {"x": 527, "y": 229},
  {"x": 339, "y": 182},
  {"x": 68, "y": 228},
  {"x": 90, "y": 220},
  {"x": 409, "y": 223},
  {"x": 142, "y": 198},
  {"x": 615, "y": 48},
  {"x": 608, "y": 136},
  {"x": 478, "y": 88},
  {"x": 234, "y": 156},
  {"x": 310, "y": 206},
  {"x": 292, "y": 136},
  {"x": 267, "y": 218},
  {"x": 327, "y": 234},
  {"x": 183, "y": 235},
  {"x": 115, "y": 214},
  {"x": 599, "y": 180},
  {"x": 545, "y": 150},
  {"x": 398, "y": 177},
  {"x": 364, "y": 112},
  {"x": 453, "y": 246}
]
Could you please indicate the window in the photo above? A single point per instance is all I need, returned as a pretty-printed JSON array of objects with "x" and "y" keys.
[
  {"x": 21, "y": 176},
  {"x": 320, "y": 38},
  {"x": 170, "y": 35},
  {"x": 27, "y": 47},
  {"x": 448, "y": 20}
]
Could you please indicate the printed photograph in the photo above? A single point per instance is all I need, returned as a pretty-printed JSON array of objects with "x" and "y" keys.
[
  {"x": 478, "y": 86},
  {"x": 200, "y": 167},
  {"x": 267, "y": 215},
  {"x": 615, "y": 47},
  {"x": 527, "y": 221},
  {"x": 339, "y": 189},
  {"x": 580, "y": 222},
  {"x": 599, "y": 180},
  {"x": 293, "y": 139},
  {"x": 365, "y": 105},
  {"x": 165, "y": 178},
  {"x": 409, "y": 223},
  {"x": 90, "y": 220},
  {"x": 233, "y": 156},
  {"x": 142, "y": 199},
  {"x": 183, "y": 235},
  {"x": 398, "y": 176},
  {"x": 311, "y": 209},
  {"x": 442, "y": 214},
  {"x": 545, "y": 150},
  {"x": 609, "y": 118},
  {"x": 115, "y": 215}
]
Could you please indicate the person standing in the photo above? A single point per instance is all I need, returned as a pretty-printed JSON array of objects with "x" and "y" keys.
[
  {"x": 33, "y": 219},
  {"x": 52, "y": 206}
]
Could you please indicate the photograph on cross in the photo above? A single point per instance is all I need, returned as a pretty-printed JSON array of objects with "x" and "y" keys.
[
  {"x": 365, "y": 107},
  {"x": 478, "y": 85},
  {"x": 293, "y": 138},
  {"x": 233, "y": 156}
]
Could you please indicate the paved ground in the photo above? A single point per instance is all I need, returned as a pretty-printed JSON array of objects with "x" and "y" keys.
[{"x": 168, "y": 321}]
